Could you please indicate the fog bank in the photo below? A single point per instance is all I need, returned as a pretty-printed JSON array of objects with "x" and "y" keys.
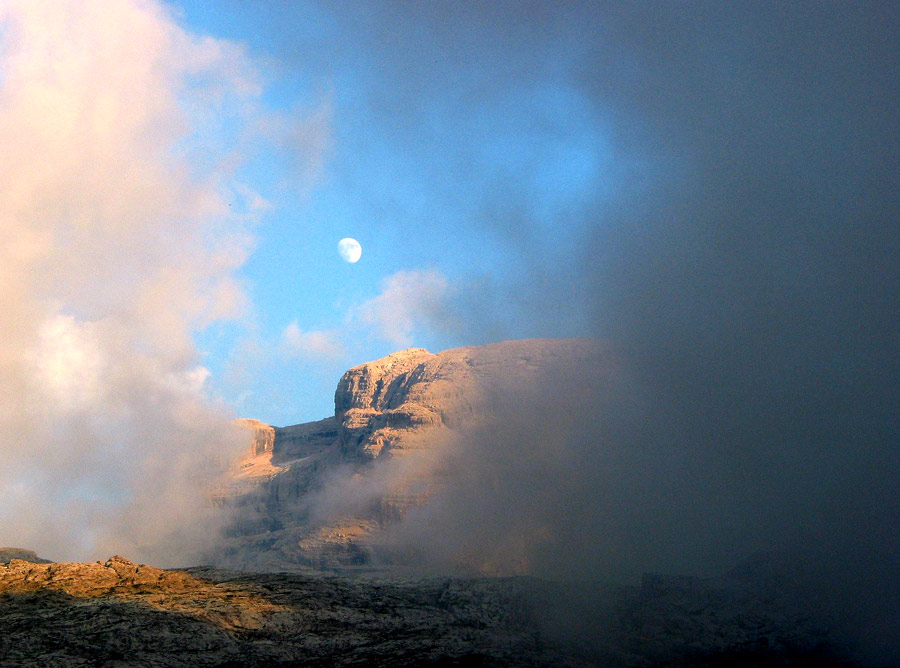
[{"x": 117, "y": 245}]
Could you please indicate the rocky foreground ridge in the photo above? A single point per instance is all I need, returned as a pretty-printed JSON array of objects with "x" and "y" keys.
[{"x": 118, "y": 613}]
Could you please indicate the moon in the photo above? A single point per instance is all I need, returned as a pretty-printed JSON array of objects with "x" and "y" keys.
[{"x": 349, "y": 250}]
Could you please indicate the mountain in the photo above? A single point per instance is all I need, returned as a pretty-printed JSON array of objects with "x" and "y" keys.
[
  {"x": 325, "y": 494},
  {"x": 408, "y": 529}
]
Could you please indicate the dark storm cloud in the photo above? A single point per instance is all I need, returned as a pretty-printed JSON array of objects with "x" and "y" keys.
[
  {"x": 756, "y": 296},
  {"x": 712, "y": 188},
  {"x": 741, "y": 250},
  {"x": 756, "y": 291}
]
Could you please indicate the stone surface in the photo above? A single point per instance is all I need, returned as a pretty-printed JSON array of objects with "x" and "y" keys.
[
  {"x": 120, "y": 579},
  {"x": 262, "y": 436},
  {"x": 118, "y": 613},
  {"x": 390, "y": 404}
]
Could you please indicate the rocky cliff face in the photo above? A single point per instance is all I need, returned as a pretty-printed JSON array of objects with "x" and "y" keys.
[
  {"x": 383, "y": 443},
  {"x": 386, "y": 406},
  {"x": 262, "y": 436},
  {"x": 378, "y": 403}
]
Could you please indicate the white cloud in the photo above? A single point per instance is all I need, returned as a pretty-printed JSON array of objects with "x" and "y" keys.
[
  {"x": 122, "y": 223},
  {"x": 69, "y": 363},
  {"x": 310, "y": 344},
  {"x": 409, "y": 300}
]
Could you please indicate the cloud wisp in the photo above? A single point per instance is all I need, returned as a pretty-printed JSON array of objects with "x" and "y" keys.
[
  {"x": 311, "y": 344},
  {"x": 118, "y": 243},
  {"x": 409, "y": 301}
]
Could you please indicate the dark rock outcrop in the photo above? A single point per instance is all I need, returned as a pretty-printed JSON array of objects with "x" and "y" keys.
[{"x": 7, "y": 554}]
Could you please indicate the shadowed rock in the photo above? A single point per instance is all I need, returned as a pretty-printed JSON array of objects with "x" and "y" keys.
[
  {"x": 7, "y": 554},
  {"x": 118, "y": 613}
]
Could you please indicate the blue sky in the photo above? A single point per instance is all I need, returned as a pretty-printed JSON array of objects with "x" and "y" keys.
[
  {"x": 438, "y": 147},
  {"x": 655, "y": 174}
]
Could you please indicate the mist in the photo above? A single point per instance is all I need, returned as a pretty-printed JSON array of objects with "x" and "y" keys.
[
  {"x": 119, "y": 243},
  {"x": 737, "y": 248}
]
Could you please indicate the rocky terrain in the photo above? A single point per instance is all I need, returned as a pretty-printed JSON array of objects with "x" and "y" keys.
[
  {"x": 118, "y": 613},
  {"x": 392, "y": 417}
]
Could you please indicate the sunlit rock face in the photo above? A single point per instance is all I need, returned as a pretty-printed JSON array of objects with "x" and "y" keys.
[
  {"x": 119, "y": 613},
  {"x": 262, "y": 436},
  {"x": 326, "y": 491},
  {"x": 388, "y": 405},
  {"x": 119, "y": 579},
  {"x": 374, "y": 406}
]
